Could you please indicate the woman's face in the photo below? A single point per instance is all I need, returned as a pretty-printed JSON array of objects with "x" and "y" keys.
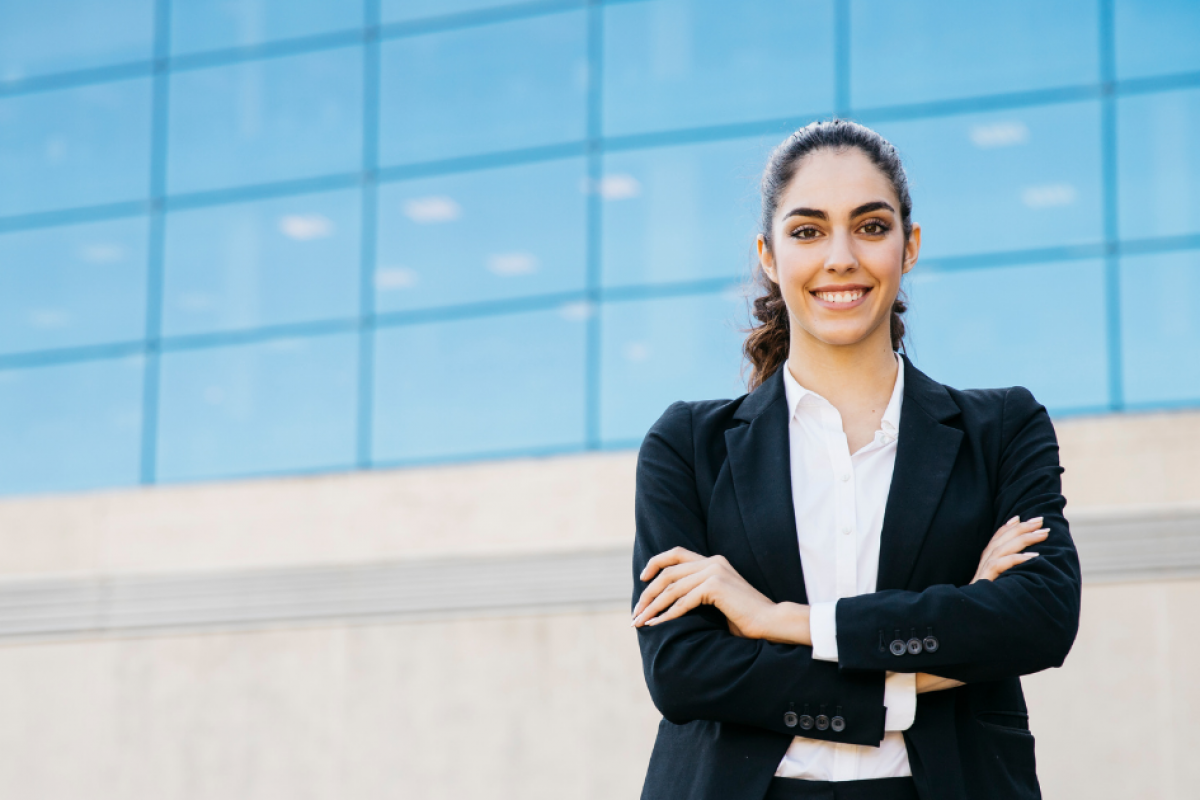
[{"x": 838, "y": 249}]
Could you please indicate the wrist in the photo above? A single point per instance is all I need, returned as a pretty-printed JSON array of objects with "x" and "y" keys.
[{"x": 788, "y": 623}]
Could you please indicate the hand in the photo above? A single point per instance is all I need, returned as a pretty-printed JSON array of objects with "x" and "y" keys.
[
  {"x": 686, "y": 580},
  {"x": 1004, "y": 550},
  {"x": 933, "y": 683}
]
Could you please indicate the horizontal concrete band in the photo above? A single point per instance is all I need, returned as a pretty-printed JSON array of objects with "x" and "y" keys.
[{"x": 1162, "y": 543}]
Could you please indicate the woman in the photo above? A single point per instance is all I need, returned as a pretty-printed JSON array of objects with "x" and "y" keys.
[{"x": 834, "y": 597}]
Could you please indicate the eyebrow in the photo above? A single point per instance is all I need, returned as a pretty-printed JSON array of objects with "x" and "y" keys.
[{"x": 865, "y": 208}]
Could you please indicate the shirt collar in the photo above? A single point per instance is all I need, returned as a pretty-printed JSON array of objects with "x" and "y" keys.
[{"x": 797, "y": 395}]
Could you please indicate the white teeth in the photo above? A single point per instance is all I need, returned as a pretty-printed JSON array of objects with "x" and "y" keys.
[{"x": 840, "y": 297}]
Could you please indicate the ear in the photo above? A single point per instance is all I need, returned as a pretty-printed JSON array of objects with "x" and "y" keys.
[
  {"x": 766, "y": 260},
  {"x": 912, "y": 248}
]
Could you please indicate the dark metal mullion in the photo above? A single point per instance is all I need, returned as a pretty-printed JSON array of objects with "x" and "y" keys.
[
  {"x": 151, "y": 375},
  {"x": 595, "y": 174},
  {"x": 1112, "y": 233},
  {"x": 841, "y": 58},
  {"x": 368, "y": 211}
]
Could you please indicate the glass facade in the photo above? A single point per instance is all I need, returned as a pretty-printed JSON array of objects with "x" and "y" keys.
[{"x": 263, "y": 237}]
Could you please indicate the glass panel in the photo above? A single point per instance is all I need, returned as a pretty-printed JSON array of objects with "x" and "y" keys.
[
  {"x": 481, "y": 236},
  {"x": 48, "y": 36},
  {"x": 205, "y": 25},
  {"x": 1156, "y": 38},
  {"x": 681, "y": 213},
  {"x": 1160, "y": 327},
  {"x": 404, "y": 10},
  {"x": 269, "y": 262},
  {"x": 286, "y": 405},
  {"x": 75, "y": 147},
  {"x": 484, "y": 386},
  {"x": 483, "y": 89},
  {"x": 936, "y": 49},
  {"x": 73, "y": 285},
  {"x": 1158, "y": 164},
  {"x": 1007, "y": 180},
  {"x": 687, "y": 63},
  {"x": 654, "y": 352},
  {"x": 70, "y": 427},
  {"x": 1041, "y": 326},
  {"x": 261, "y": 121}
]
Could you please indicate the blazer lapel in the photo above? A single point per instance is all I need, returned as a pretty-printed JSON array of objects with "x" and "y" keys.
[
  {"x": 925, "y": 454},
  {"x": 759, "y": 458}
]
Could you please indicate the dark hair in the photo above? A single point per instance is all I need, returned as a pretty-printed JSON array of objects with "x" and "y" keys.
[{"x": 766, "y": 345}]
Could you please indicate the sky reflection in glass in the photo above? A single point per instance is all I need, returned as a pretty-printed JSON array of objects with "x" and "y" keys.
[
  {"x": 258, "y": 264},
  {"x": 481, "y": 236}
]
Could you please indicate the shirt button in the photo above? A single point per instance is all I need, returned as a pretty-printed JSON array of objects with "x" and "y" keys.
[
  {"x": 845, "y": 476},
  {"x": 846, "y": 531}
]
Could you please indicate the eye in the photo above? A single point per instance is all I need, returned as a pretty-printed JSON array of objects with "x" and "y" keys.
[
  {"x": 805, "y": 232},
  {"x": 875, "y": 227}
]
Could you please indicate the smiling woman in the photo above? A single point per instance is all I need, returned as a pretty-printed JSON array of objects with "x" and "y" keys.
[{"x": 832, "y": 588}]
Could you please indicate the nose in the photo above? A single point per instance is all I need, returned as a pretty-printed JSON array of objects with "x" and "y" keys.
[{"x": 840, "y": 257}]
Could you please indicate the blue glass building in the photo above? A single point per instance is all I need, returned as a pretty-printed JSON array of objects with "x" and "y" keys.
[{"x": 284, "y": 236}]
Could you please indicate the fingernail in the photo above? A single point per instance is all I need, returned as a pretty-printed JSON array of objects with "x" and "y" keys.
[
  {"x": 653, "y": 621},
  {"x": 1038, "y": 520},
  {"x": 1042, "y": 530},
  {"x": 1031, "y": 555},
  {"x": 1014, "y": 519}
]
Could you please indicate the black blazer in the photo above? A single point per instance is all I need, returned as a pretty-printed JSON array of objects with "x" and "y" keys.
[{"x": 714, "y": 477}]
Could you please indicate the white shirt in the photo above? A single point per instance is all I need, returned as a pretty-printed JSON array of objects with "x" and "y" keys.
[{"x": 840, "y": 500}]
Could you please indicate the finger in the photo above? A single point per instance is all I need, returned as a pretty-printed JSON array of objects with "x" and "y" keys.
[
  {"x": 1020, "y": 542},
  {"x": 1008, "y": 532},
  {"x": 683, "y": 605},
  {"x": 670, "y": 596},
  {"x": 998, "y": 536},
  {"x": 676, "y": 555},
  {"x": 1001, "y": 565},
  {"x": 665, "y": 579}
]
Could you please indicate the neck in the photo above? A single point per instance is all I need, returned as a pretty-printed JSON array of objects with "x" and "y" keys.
[{"x": 844, "y": 374}]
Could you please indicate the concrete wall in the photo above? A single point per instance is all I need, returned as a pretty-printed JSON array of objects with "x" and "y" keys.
[{"x": 534, "y": 697}]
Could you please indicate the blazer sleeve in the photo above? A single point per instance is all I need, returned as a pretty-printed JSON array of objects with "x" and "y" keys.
[
  {"x": 695, "y": 668},
  {"x": 1024, "y": 621}
]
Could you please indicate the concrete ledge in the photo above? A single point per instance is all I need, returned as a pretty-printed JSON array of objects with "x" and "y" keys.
[{"x": 1115, "y": 545}]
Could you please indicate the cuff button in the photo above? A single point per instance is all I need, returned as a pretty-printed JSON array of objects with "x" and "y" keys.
[
  {"x": 806, "y": 722},
  {"x": 898, "y": 647},
  {"x": 915, "y": 647},
  {"x": 931, "y": 644},
  {"x": 838, "y": 724},
  {"x": 790, "y": 719},
  {"x": 822, "y": 722}
]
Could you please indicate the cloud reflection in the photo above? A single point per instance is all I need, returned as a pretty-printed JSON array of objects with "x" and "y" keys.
[
  {"x": 305, "y": 227},
  {"x": 999, "y": 134},
  {"x": 433, "y": 209},
  {"x": 508, "y": 265}
]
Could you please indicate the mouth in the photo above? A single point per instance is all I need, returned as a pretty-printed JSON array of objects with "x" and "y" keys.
[{"x": 840, "y": 297}]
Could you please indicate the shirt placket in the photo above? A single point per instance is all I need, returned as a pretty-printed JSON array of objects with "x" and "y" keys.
[{"x": 845, "y": 758}]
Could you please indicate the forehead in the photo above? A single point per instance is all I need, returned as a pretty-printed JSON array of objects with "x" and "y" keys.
[{"x": 836, "y": 180}]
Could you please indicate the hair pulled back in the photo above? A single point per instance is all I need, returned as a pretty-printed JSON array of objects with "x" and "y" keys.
[{"x": 766, "y": 345}]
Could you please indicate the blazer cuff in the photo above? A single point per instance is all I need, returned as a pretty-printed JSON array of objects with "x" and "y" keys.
[
  {"x": 822, "y": 626},
  {"x": 900, "y": 698}
]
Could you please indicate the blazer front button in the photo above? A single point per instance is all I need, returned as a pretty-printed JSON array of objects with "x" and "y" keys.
[
  {"x": 914, "y": 646},
  {"x": 838, "y": 724},
  {"x": 898, "y": 647},
  {"x": 822, "y": 722},
  {"x": 806, "y": 722},
  {"x": 790, "y": 719}
]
